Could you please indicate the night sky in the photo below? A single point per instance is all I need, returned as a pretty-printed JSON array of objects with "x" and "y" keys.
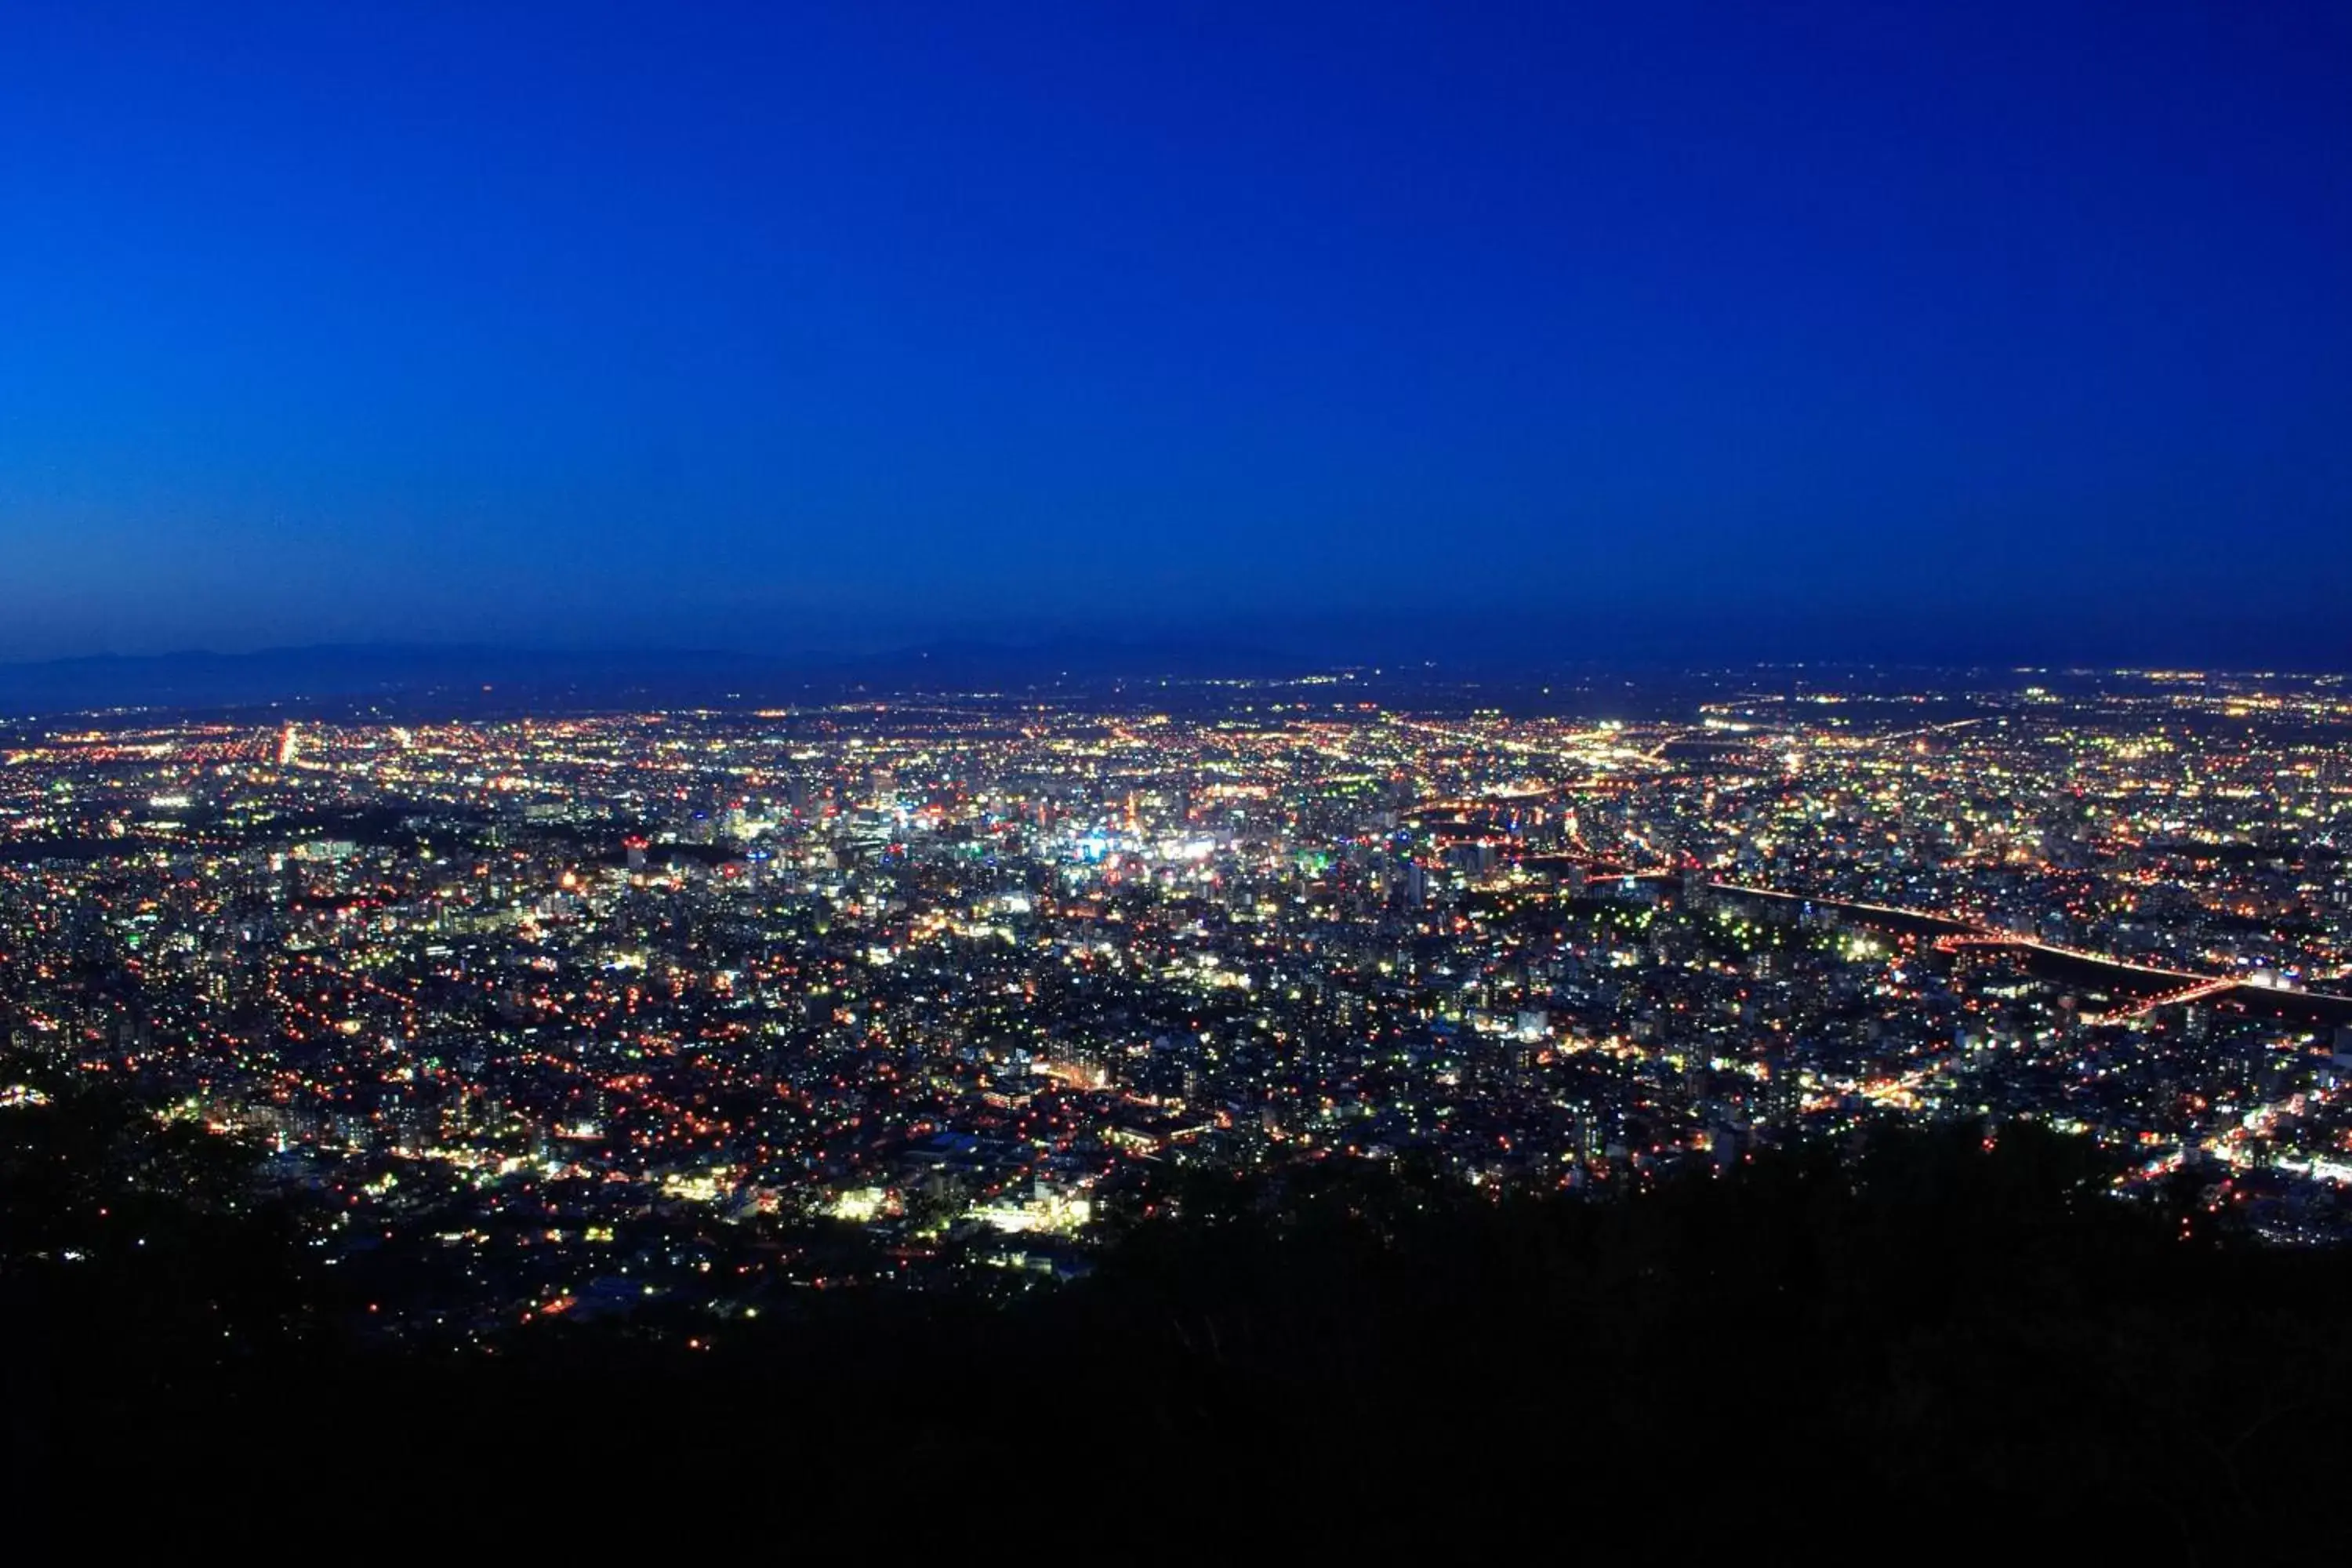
[{"x": 1869, "y": 330}]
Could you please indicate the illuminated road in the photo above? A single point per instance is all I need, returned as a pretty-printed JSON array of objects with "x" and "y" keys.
[{"x": 2191, "y": 985}]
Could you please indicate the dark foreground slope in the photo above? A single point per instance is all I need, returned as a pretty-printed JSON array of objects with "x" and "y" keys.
[{"x": 1936, "y": 1340}]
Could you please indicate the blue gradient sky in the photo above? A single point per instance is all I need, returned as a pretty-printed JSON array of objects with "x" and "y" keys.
[{"x": 2020, "y": 326}]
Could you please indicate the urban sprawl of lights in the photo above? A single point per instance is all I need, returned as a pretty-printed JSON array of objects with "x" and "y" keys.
[{"x": 581, "y": 1015}]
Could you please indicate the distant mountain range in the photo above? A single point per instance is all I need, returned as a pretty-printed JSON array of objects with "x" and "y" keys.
[{"x": 476, "y": 676}]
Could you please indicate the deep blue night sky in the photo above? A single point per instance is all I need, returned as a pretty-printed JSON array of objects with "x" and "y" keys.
[{"x": 1859, "y": 329}]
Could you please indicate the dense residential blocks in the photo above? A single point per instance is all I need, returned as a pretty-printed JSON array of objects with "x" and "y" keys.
[{"x": 574, "y": 1014}]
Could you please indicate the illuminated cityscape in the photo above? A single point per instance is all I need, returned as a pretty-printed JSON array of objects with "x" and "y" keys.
[
  {"x": 1164, "y": 781},
  {"x": 579, "y": 1015}
]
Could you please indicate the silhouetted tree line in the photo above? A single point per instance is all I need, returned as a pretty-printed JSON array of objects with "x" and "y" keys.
[{"x": 1920, "y": 1343}]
